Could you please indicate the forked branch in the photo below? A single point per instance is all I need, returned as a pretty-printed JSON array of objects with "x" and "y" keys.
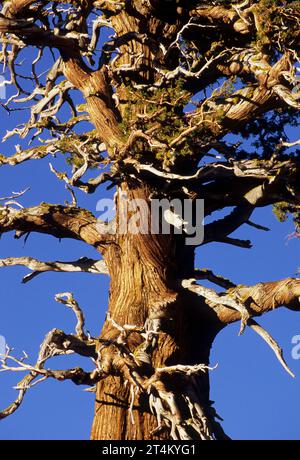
[{"x": 256, "y": 300}]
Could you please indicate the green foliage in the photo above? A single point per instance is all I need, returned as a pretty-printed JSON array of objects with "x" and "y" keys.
[
  {"x": 160, "y": 111},
  {"x": 281, "y": 212},
  {"x": 276, "y": 29},
  {"x": 284, "y": 210},
  {"x": 67, "y": 146}
]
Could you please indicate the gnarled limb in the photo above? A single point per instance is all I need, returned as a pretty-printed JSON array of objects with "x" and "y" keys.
[
  {"x": 261, "y": 298},
  {"x": 228, "y": 17},
  {"x": 253, "y": 100},
  {"x": 257, "y": 300},
  {"x": 29, "y": 154},
  {"x": 99, "y": 100},
  {"x": 263, "y": 182},
  {"x": 56, "y": 220}
]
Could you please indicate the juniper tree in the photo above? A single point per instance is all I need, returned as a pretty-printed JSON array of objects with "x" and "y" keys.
[{"x": 188, "y": 101}]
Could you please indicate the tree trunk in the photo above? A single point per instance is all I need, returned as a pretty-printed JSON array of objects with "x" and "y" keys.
[{"x": 144, "y": 270}]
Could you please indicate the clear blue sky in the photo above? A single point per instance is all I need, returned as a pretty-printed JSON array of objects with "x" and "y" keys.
[{"x": 254, "y": 395}]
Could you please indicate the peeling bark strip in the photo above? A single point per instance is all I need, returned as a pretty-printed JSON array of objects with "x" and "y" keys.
[{"x": 161, "y": 92}]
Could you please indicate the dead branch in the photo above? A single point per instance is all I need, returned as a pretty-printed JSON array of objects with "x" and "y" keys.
[
  {"x": 219, "y": 280},
  {"x": 271, "y": 342},
  {"x": 264, "y": 293},
  {"x": 83, "y": 264},
  {"x": 56, "y": 343},
  {"x": 66, "y": 298}
]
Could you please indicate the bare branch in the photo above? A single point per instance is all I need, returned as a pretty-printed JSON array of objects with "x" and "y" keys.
[
  {"x": 291, "y": 144},
  {"x": 66, "y": 298},
  {"x": 83, "y": 264},
  {"x": 271, "y": 342},
  {"x": 258, "y": 226},
  {"x": 201, "y": 274},
  {"x": 56, "y": 343},
  {"x": 67, "y": 143},
  {"x": 15, "y": 195}
]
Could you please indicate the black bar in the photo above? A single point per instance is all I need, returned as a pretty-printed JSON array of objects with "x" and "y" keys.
[{"x": 148, "y": 449}]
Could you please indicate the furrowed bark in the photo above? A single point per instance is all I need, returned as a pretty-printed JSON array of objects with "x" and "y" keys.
[
  {"x": 144, "y": 270},
  {"x": 99, "y": 100},
  {"x": 56, "y": 220},
  {"x": 263, "y": 297}
]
